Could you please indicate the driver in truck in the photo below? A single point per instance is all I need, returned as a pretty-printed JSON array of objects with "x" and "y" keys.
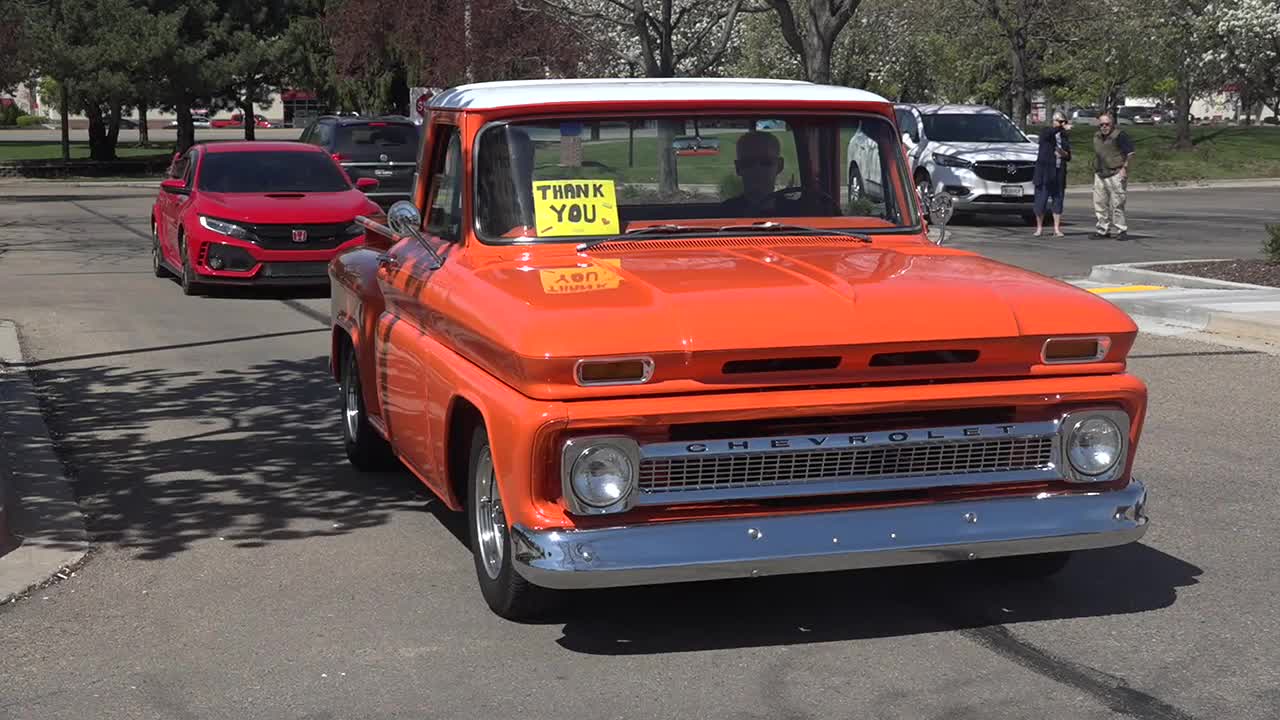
[{"x": 758, "y": 163}]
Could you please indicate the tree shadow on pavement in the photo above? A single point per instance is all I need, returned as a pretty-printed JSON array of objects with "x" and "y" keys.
[
  {"x": 164, "y": 458},
  {"x": 863, "y": 604}
]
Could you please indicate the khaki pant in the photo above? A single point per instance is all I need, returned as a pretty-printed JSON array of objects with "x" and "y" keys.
[{"x": 1108, "y": 202}]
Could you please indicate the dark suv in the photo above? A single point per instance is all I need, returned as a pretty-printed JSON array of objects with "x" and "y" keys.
[{"x": 382, "y": 148}]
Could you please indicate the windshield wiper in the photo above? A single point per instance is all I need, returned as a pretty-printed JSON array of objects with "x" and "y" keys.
[
  {"x": 771, "y": 226},
  {"x": 639, "y": 233}
]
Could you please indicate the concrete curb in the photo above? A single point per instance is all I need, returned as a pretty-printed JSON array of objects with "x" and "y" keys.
[
  {"x": 46, "y": 516},
  {"x": 1145, "y": 273}
]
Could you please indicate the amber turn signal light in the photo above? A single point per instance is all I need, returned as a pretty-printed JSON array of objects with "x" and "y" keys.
[
  {"x": 1075, "y": 350},
  {"x": 621, "y": 371}
]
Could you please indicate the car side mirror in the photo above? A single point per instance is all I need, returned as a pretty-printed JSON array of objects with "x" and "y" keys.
[
  {"x": 404, "y": 218},
  {"x": 174, "y": 185},
  {"x": 365, "y": 184}
]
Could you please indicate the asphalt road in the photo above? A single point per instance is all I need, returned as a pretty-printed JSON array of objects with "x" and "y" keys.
[{"x": 244, "y": 570}]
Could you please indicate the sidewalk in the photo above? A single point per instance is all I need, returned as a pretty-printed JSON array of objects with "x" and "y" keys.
[
  {"x": 1166, "y": 303},
  {"x": 43, "y": 514}
]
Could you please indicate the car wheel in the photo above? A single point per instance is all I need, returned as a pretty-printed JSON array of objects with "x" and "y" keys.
[
  {"x": 366, "y": 449},
  {"x": 856, "y": 189},
  {"x": 1028, "y": 567},
  {"x": 1029, "y": 218},
  {"x": 157, "y": 262},
  {"x": 188, "y": 279},
  {"x": 925, "y": 188},
  {"x": 507, "y": 593}
]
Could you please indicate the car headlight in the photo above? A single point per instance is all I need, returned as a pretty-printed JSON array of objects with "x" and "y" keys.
[
  {"x": 222, "y": 227},
  {"x": 951, "y": 161},
  {"x": 1095, "y": 444},
  {"x": 600, "y": 473}
]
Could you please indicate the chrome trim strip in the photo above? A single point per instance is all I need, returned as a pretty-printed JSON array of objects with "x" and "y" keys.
[
  {"x": 817, "y": 442},
  {"x": 817, "y": 542},
  {"x": 389, "y": 163}
]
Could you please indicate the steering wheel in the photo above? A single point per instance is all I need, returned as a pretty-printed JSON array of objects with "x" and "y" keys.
[{"x": 809, "y": 195}]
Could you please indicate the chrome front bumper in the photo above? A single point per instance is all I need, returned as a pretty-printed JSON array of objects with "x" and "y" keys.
[{"x": 816, "y": 542}]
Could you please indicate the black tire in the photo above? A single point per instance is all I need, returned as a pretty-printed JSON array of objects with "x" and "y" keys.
[
  {"x": 1017, "y": 568},
  {"x": 507, "y": 593},
  {"x": 857, "y": 189},
  {"x": 924, "y": 187},
  {"x": 157, "y": 266},
  {"x": 366, "y": 449},
  {"x": 1029, "y": 218},
  {"x": 188, "y": 278}
]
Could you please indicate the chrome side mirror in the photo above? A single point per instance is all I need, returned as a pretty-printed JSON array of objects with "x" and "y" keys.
[
  {"x": 941, "y": 208},
  {"x": 404, "y": 218}
]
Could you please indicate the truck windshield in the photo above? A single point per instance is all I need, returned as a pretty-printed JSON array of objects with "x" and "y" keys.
[
  {"x": 573, "y": 179},
  {"x": 263, "y": 171},
  {"x": 971, "y": 127}
]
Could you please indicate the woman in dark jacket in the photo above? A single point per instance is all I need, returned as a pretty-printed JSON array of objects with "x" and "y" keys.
[{"x": 1051, "y": 172}]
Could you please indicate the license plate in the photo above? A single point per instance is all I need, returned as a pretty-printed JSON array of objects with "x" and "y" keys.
[
  {"x": 1011, "y": 190},
  {"x": 384, "y": 173}
]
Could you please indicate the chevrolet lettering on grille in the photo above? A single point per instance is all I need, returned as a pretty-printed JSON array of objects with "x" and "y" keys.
[{"x": 815, "y": 442}]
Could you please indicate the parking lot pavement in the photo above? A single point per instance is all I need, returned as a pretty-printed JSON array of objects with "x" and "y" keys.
[
  {"x": 1163, "y": 225},
  {"x": 244, "y": 570}
]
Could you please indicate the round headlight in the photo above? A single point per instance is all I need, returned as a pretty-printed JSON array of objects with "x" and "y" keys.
[
  {"x": 1094, "y": 446},
  {"x": 602, "y": 475}
]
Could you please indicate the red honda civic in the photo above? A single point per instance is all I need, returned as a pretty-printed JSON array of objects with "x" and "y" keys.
[{"x": 259, "y": 213}]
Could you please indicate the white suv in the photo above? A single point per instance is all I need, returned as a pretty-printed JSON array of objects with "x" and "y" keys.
[{"x": 973, "y": 153}]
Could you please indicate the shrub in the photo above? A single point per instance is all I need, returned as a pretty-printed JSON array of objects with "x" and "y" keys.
[
  {"x": 1271, "y": 246},
  {"x": 26, "y": 121},
  {"x": 9, "y": 114}
]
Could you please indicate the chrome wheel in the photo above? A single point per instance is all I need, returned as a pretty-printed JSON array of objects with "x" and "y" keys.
[{"x": 490, "y": 522}]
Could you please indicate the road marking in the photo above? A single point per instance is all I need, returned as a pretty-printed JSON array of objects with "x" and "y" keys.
[{"x": 1126, "y": 288}]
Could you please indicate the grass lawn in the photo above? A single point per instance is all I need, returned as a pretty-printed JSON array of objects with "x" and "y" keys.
[
  {"x": 1220, "y": 153},
  {"x": 23, "y": 150}
]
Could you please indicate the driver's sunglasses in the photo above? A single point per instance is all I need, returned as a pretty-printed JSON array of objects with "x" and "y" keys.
[{"x": 1104, "y": 124}]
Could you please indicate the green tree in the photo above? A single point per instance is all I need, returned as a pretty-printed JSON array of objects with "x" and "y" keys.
[{"x": 15, "y": 43}]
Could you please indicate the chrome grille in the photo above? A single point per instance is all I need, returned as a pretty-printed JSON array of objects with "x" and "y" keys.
[{"x": 770, "y": 467}]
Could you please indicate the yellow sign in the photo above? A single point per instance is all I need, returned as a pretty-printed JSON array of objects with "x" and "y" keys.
[
  {"x": 575, "y": 207},
  {"x": 587, "y": 278}
]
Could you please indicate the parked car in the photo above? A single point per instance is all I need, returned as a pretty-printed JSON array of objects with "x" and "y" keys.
[
  {"x": 619, "y": 386},
  {"x": 1136, "y": 115},
  {"x": 973, "y": 153},
  {"x": 255, "y": 213},
  {"x": 1086, "y": 116},
  {"x": 692, "y": 145},
  {"x": 237, "y": 121},
  {"x": 197, "y": 121},
  {"x": 384, "y": 148}
]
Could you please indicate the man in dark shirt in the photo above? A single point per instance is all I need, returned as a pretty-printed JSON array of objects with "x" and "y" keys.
[
  {"x": 758, "y": 162},
  {"x": 1112, "y": 150}
]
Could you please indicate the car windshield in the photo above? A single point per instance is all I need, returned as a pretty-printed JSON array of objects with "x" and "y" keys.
[
  {"x": 971, "y": 127},
  {"x": 378, "y": 142},
  {"x": 578, "y": 178},
  {"x": 270, "y": 172}
]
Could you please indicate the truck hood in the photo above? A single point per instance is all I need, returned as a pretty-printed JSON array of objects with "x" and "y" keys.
[
  {"x": 285, "y": 208},
  {"x": 987, "y": 151},
  {"x": 695, "y": 305}
]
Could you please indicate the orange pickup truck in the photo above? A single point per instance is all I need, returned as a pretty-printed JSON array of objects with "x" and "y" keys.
[{"x": 627, "y": 366}]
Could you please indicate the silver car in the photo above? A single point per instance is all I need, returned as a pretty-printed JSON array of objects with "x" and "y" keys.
[{"x": 974, "y": 154}]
